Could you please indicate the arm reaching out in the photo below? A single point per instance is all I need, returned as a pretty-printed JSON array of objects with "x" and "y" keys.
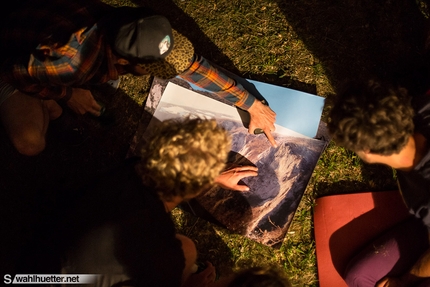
[
  {"x": 229, "y": 179},
  {"x": 206, "y": 75}
]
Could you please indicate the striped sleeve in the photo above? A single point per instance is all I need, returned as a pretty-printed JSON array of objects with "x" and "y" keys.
[
  {"x": 52, "y": 70},
  {"x": 203, "y": 74}
]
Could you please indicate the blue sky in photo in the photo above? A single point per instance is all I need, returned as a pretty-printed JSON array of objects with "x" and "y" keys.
[{"x": 295, "y": 110}]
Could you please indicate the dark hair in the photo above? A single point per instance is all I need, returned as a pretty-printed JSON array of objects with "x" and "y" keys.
[
  {"x": 260, "y": 277},
  {"x": 372, "y": 116}
]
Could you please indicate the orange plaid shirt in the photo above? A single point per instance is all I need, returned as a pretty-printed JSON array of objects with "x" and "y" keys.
[{"x": 45, "y": 66}]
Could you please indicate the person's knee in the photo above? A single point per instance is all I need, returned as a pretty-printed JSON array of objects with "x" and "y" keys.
[
  {"x": 190, "y": 254},
  {"x": 25, "y": 121},
  {"x": 29, "y": 143},
  {"x": 358, "y": 275},
  {"x": 352, "y": 279},
  {"x": 189, "y": 249}
]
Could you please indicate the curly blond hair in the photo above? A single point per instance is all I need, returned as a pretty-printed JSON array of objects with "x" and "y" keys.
[
  {"x": 184, "y": 157},
  {"x": 373, "y": 116}
]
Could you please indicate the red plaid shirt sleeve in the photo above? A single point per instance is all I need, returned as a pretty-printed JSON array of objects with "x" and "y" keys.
[
  {"x": 52, "y": 68},
  {"x": 205, "y": 75},
  {"x": 52, "y": 71}
]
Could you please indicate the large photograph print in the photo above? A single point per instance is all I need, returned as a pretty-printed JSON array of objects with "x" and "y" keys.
[{"x": 265, "y": 212}]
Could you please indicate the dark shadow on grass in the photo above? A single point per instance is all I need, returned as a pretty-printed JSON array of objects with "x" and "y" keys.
[
  {"x": 186, "y": 25},
  {"x": 206, "y": 237},
  {"x": 205, "y": 47},
  {"x": 350, "y": 39},
  {"x": 375, "y": 177},
  {"x": 30, "y": 186},
  {"x": 362, "y": 39}
]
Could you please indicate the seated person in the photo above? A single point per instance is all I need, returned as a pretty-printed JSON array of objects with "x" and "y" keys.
[
  {"x": 382, "y": 124},
  {"x": 68, "y": 46},
  {"x": 118, "y": 224}
]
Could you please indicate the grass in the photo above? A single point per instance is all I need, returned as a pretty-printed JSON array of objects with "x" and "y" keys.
[{"x": 308, "y": 45}]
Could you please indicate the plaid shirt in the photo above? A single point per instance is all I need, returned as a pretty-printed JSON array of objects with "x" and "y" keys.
[
  {"x": 55, "y": 65},
  {"x": 205, "y": 75},
  {"x": 69, "y": 51}
]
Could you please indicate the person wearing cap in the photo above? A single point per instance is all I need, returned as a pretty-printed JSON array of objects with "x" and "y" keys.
[{"x": 56, "y": 49}]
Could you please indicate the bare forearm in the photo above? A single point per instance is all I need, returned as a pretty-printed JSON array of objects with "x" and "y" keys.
[{"x": 421, "y": 268}]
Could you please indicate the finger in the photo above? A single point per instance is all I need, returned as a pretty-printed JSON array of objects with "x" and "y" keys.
[
  {"x": 94, "y": 112},
  {"x": 383, "y": 282},
  {"x": 212, "y": 275},
  {"x": 272, "y": 113},
  {"x": 269, "y": 112},
  {"x": 96, "y": 109},
  {"x": 210, "y": 269},
  {"x": 248, "y": 167},
  {"x": 241, "y": 188},
  {"x": 81, "y": 111},
  {"x": 271, "y": 138},
  {"x": 96, "y": 106}
]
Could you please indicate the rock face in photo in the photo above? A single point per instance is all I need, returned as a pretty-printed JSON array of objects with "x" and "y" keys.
[{"x": 264, "y": 213}]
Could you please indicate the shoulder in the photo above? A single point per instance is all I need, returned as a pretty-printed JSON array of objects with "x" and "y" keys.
[{"x": 421, "y": 106}]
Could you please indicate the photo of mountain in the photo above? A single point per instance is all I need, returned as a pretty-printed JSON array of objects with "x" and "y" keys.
[{"x": 265, "y": 212}]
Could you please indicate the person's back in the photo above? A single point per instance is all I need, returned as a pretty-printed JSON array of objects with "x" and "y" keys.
[
  {"x": 120, "y": 230},
  {"x": 109, "y": 225}
]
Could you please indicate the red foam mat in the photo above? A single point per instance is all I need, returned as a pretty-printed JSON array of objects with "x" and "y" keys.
[{"x": 343, "y": 223}]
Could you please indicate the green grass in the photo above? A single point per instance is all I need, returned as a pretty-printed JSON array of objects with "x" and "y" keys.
[
  {"x": 309, "y": 45},
  {"x": 313, "y": 46}
]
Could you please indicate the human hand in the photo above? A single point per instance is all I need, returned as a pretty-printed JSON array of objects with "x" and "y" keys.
[
  {"x": 82, "y": 101},
  {"x": 390, "y": 282},
  {"x": 202, "y": 279},
  {"x": 262, "y": 117},
  {"x": 229, "y": 179}
]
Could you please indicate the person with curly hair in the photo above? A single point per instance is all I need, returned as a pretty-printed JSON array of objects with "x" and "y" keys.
[
  {"x": 182, "y": 160},
  {"x": 117, "y": 224},
  {"x": 382, "y": 124}
]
